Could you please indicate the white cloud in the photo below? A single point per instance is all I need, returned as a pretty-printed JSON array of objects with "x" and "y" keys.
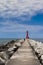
[
  {"x": 15, "y": 27},
  {"x": 9, "y": 8}
]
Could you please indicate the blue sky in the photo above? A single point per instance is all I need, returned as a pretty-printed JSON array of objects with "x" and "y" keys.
[{"x": 18, "y": 16}]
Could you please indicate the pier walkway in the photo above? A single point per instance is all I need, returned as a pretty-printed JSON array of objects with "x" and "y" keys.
[{"x": 24, "y": 56}]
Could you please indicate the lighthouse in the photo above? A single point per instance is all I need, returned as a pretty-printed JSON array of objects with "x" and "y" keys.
[{"x": 27, "y": 37}]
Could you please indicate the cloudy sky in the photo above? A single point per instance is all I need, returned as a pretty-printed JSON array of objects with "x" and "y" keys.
[{"x": 18, "y": 16}]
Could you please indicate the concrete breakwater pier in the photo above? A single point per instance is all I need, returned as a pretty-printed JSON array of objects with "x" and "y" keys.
[
  {"x": 24, "y": 56},
  {"x": 23, "y": 52}
]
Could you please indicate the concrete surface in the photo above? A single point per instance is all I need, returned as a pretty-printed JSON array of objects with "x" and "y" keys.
[{"x": 24, "y": 56}]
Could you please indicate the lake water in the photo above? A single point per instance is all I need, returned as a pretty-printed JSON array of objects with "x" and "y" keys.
[
  {"x": 4, "y": 41},
  {"x": 39, "y": 39}
]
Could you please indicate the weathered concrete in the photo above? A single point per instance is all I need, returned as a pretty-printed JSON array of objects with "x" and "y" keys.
[{"x": 24, "y": 56}]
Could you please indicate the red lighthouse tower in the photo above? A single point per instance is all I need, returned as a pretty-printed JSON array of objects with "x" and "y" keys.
[{"x": 27, "y": 37}]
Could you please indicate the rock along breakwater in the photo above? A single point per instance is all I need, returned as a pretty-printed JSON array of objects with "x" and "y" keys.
[{"x": 22, "y": 52}]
